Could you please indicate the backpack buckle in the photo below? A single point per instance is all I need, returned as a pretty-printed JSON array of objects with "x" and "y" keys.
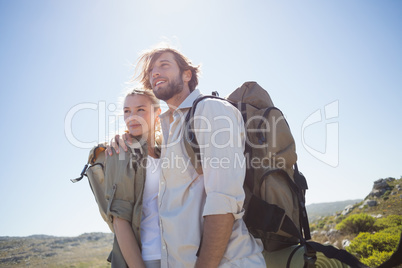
[
  {"x": 81, "y": 175},
  {"x": 309, "y": 257}
]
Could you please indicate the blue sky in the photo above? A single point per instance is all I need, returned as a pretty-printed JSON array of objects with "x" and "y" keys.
[{"x": 333, "y": 67}]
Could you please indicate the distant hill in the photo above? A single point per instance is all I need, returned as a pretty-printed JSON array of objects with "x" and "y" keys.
[
  {"x": 316, "y": 211},
  {"x": 87, "y": 250},
  {"x": 92, "y": 249}
]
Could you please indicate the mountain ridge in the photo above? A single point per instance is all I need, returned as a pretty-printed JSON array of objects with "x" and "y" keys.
[{"x": 317, "y": 210}]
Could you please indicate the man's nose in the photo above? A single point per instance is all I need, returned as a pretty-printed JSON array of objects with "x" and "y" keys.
[{"x": 155, "y": 72}]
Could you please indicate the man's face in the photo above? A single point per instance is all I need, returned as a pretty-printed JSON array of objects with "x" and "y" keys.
[{"x": 165, "y": 77}]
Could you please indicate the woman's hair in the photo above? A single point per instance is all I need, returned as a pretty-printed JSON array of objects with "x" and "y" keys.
[
  {"x": 147, "y": 60},
  {"x": 155, "y": 104}
]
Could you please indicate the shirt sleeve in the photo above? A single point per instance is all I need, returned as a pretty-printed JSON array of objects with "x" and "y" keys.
[
  {"x": 220, "y": 134},
  {"x": 119, "y": 189}
]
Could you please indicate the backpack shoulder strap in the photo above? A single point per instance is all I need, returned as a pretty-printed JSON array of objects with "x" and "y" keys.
[{"x": 190, "y": 139}]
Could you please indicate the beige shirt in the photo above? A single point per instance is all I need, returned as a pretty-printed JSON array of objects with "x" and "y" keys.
[{"x": 185, "y": 196}]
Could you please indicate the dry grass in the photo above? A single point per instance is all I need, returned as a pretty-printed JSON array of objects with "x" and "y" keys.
[{"x": 87, "y": 250}]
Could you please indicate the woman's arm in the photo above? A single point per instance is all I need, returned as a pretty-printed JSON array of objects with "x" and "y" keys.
[{"x": 127, "y": 243}]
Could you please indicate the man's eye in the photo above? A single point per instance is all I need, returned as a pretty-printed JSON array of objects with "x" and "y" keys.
[
  {"x": 126, "y": 111},
  {"x": 141, "y": 110}
]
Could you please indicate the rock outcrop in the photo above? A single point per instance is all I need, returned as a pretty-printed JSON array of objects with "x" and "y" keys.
[{"x": 381, "y": 187}]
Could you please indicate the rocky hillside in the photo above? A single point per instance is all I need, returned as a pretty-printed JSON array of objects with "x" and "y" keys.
[
  {"x": 87, "y": 250},
  {"x": 385, "y": 199}
]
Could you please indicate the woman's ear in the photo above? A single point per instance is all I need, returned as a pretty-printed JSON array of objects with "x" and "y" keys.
[{"x": 158, "y": 112}]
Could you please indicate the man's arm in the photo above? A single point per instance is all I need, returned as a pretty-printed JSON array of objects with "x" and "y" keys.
[
  {"x": 220, "y": 134},
  {"x": 216, "y": 234}
]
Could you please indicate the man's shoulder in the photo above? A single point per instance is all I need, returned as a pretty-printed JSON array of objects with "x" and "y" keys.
[{"x": 215, "y": 105}]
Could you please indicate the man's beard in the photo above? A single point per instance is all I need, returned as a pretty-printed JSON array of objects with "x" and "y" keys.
[{"x": 171, "y": 89}]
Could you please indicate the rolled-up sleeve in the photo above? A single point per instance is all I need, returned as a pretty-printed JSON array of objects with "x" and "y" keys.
[
  {"x": 220, "y": 134},
  {"x": 119, "y": 190}
]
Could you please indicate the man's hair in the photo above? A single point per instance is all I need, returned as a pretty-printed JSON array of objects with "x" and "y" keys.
[{"x": 148, "y": 58}]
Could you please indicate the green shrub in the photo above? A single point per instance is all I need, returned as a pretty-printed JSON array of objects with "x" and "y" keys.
[
  {"x": 356, "y": 224},
  {"x": 339, "y": 218},
  {"x": 392, "y": 230},
  {"x": 321, "y": 224},
  {"x": 376, "y": 259},
  {"x": 365, "y": 244},
  {"x": 390, "y": 221}
]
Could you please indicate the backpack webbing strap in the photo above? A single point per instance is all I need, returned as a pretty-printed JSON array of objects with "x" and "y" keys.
[
  {"x": 193, "y": 152},
  {"x": 347, "y": 258},
  {"x": 249, "y": 179},
  {"x": 301, "y": 183},
  {"x": 309, "y": 256},
  {"x": 191, "y": 144},
  {"x": 190, "y": 139},
  {"x": 339, "y": 254},
  {"x": 291, "y": 255}
]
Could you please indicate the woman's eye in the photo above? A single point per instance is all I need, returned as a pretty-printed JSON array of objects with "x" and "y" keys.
[
  {"x": 141, "y": 110},
  {"x": 126, "y": 111}
]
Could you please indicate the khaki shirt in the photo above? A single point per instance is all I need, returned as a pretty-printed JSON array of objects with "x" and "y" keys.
[
  {"x": 125, "y": 181},
  {"x": 185, "y": 196}
]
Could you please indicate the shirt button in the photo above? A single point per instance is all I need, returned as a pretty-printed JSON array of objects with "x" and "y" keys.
[
  {"x": 163, "y": 247},
  {"x": 162, "y": 182}
]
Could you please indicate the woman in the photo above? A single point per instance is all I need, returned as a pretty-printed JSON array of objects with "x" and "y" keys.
[{"x": 132, "y": 185}]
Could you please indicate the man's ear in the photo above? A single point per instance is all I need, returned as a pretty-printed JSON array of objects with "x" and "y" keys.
[{"x": 187, "y": 75}]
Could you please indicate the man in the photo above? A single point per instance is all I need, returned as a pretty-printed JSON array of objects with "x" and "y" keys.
[{"x": 200, "y": 215}]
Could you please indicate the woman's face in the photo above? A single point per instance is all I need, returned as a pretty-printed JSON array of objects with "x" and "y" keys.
[{"x": 139, "y": 114}]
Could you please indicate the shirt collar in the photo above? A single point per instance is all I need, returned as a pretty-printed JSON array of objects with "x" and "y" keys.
[{"x": 187, "y": 103}]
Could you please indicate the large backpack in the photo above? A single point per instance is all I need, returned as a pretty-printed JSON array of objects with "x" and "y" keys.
[
  {"x": 275, "y": 190},
  {"x": 274, "y": 203}
]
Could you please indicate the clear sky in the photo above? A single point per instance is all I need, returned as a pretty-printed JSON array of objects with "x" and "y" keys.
[{"x": 333, "y": 67}]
